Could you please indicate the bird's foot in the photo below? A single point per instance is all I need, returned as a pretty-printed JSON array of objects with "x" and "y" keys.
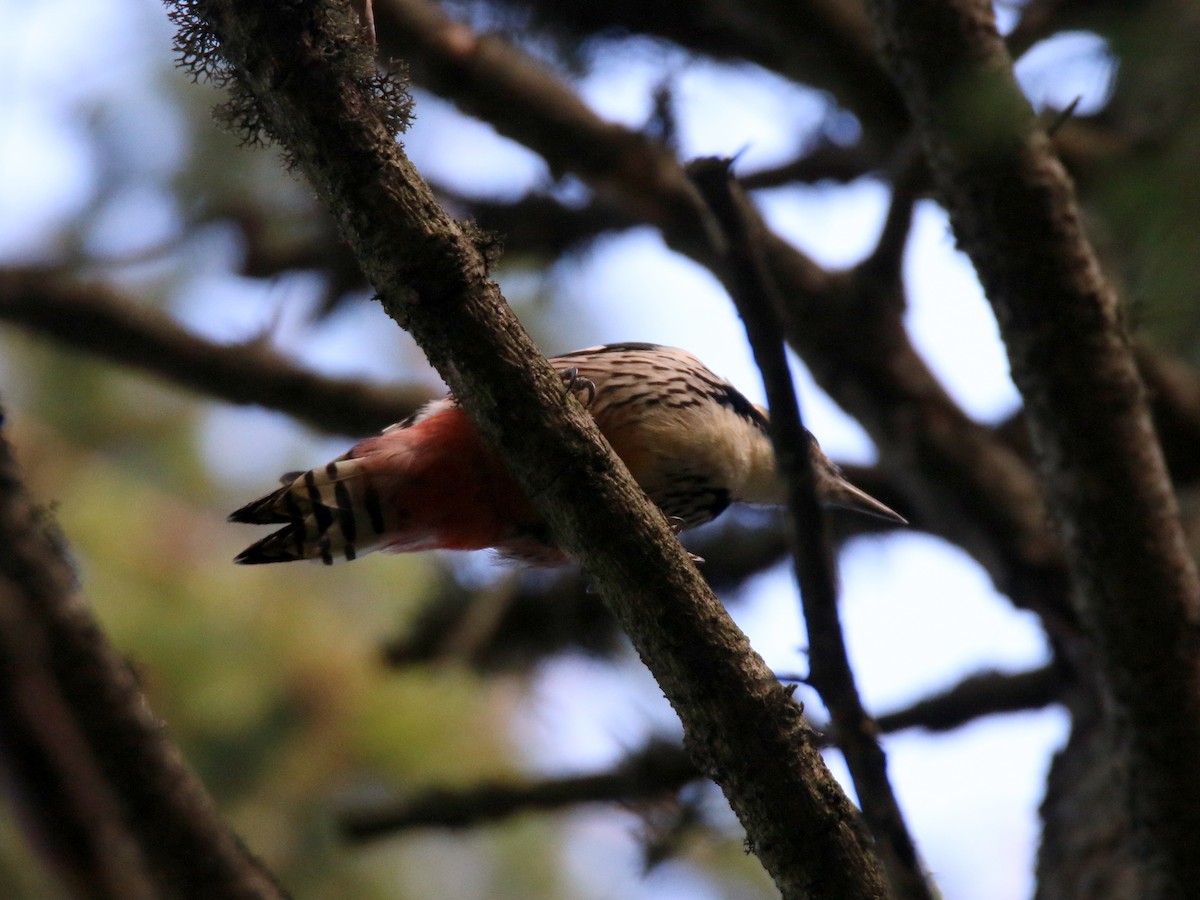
[
  {"x": 576, "y": 384},
  {"x": 677, "y": 525}
]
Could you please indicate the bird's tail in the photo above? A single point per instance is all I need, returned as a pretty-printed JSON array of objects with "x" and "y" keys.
[{"x": 332, "y": 513}]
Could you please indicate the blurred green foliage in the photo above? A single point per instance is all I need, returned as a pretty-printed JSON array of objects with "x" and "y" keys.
[{"x": 268, "y": 677}]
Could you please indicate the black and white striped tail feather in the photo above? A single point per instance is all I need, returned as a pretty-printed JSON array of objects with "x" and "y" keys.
[{"x": 330, "y": 514}]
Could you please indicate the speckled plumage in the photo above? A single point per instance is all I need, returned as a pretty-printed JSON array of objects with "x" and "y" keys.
[{"x": 691, "y": 440}]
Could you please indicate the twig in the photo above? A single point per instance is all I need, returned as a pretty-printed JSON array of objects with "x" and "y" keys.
[
  {"x": 982, "y": 694},
  {"x": 823, "y": 44},
  {"x": 910, "y": 173},
  {"x": 538, "y": 224},
  {"x": 657, "y": 769},
  {"x": 825, "y": 161},
  {"x": 756, "y": 296}
]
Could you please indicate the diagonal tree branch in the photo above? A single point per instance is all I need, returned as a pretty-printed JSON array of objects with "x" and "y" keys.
[
  {"x": 301, "y": 72},
  {"x": 1014, "y": 212}
]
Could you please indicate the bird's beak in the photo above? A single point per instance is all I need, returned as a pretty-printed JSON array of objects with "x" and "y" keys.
[{"x": 842, "y": 493}]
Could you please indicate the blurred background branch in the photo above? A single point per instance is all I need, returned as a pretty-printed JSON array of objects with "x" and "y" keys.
[{"x": 132, "y": 230}]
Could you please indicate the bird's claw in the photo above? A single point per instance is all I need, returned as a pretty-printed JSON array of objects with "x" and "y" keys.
[
  {"x": 577, "y": 384},
  {"x": 677, "y": 525}
]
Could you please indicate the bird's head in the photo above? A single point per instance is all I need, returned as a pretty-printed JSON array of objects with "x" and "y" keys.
[{"x": 833, "y": 488}]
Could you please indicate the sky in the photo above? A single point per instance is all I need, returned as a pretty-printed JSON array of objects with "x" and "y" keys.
[{"x": 918, "y": 614}]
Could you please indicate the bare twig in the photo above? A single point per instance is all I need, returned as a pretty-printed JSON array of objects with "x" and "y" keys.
[
  {"x": 753, "y": 290},
  {"x": 910, "y": 174},
  {"x": 658, "y": 768},
  {"x": 824, "y": 162},
  {"x": 983, "y": 694}
]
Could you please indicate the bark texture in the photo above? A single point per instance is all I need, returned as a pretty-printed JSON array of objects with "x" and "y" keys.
[{"x": 1014, "y": 212}]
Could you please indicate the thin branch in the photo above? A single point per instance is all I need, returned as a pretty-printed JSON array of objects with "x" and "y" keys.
[
  {"x": 910, "y": 176},
  {"x": 983, "y": 694},
  {"x": 307, "y": 80},
  {"x": 315, "y": 245},
  {"x": 1014, "y": 212},
  {"x": 823, "y": 43},
  {"x": 96, "y": 319},
  {"x": 824, "y": 162},
  {"x": 756, "y": 296},
  {"x": 658, "y": 768},
  {"x": 662, "y": 767},
  {"x": 538, "y": 224},
  {"x": 93, "y": 769}
]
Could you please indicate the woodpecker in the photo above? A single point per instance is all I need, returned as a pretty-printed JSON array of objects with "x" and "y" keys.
[{"x": 692, "y": 441}]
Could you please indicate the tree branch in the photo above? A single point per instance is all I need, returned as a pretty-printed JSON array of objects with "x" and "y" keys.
[
  {"x": 111, "y": 799},
  {"x": 1014, "y": 212},
  {"x": 1173, "y": 391},
  {"x": 750, "y": 284},
  {"x": 95, "y": 319},
  {"x": 661, "y": 767},
  {"x": 1174, "y": 394},
  {"x": 823, "y": 43},
  {"x": 824, "y": 162},
  {"x": 303, "y": 75},
  {"x": 538, "y": 224},
  {"x": 658, "y": 768},
  {"x": 984, "y": 694}
]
